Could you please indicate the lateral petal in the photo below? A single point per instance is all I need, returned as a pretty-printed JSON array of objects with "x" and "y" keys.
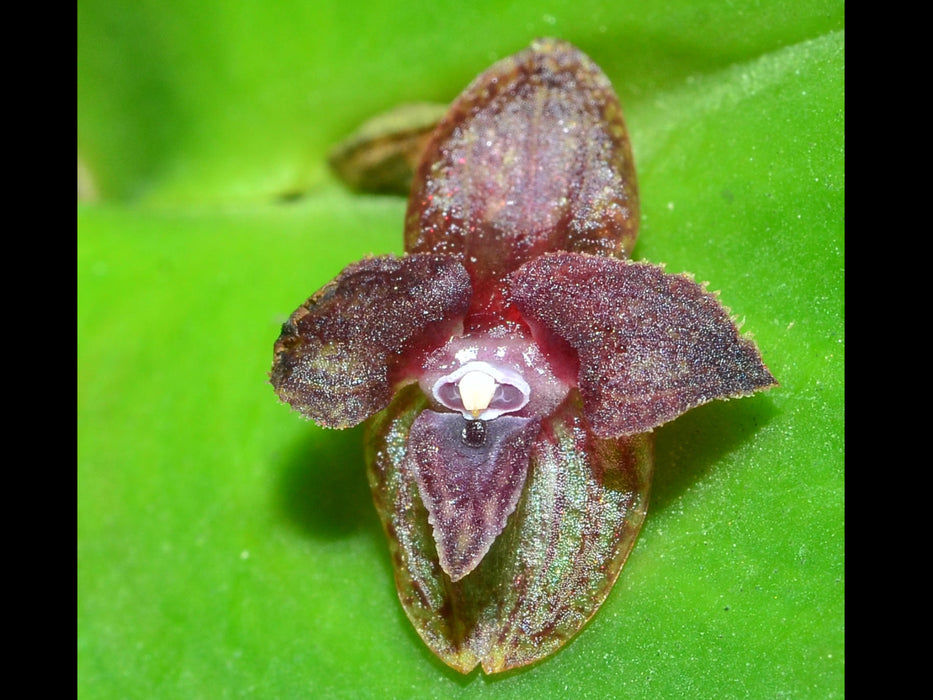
[
  {"x": 651, "y": 345},
  {"x": 337, "y": 355}
]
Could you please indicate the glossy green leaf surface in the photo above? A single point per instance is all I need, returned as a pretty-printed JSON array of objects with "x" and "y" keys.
[{"x": 228, "y": 548}]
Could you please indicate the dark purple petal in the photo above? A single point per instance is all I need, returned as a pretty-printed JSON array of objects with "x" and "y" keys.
[
  {"x": 470, "y": 476},
  {"x": 339, "y": 354},
  {"x": 533, "y": 156},
  {"x": 651, "y": 345}
]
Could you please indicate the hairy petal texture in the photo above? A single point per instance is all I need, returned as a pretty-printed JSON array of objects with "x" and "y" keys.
[
  {"x": 469, "y": 491},
  {"x": 339, "y": 354},
  {"x": 533, "y": 156},
  {"x": 651, "y": 345},
  {"x": 550, "y": 569}
]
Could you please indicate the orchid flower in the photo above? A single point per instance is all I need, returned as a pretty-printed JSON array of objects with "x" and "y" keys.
[{"x": 513, "y": 364}]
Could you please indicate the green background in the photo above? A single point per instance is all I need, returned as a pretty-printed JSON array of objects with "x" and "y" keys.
[{"x": 227, "y": 548}]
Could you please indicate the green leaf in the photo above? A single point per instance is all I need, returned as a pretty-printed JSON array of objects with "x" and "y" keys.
[{"x": 226, "y": 547}]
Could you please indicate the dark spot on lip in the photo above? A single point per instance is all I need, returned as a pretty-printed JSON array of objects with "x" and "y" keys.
[{"x": 474, "y": 433}]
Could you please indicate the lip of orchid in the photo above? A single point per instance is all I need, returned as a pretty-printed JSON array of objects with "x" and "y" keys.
[{"x": 482, "y": 391}]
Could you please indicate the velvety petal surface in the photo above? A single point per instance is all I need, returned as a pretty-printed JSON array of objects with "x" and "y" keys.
[
  {"x": 651, "y": 345},
  {"x": 533, "y": 156},
  {"x": 470, "y": 485},
  {"x": 551, "y": 568},
  {"x": 337, "y": 355}
]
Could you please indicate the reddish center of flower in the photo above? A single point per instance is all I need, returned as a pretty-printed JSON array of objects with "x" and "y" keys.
[
  {"x": 485, "y": 376},
  {"x": 482, "y": 391}
]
